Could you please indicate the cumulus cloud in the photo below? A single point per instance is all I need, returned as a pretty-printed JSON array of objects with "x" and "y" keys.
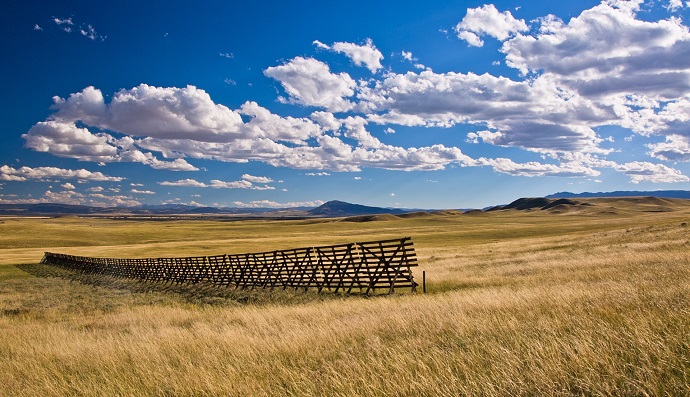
[
  {"x": 530, "y": 114},
  {"x": 75, "y": 198},
  {"x": 649, "y": 172},
  {"x": 103, "y": 200},
  {"x": 64, "y": 197},
  {"x": 408, "y": 55},
  {"x": 533, "y": 169},
  {"x": 366, "y": 55},
  {"x": 604, "y": 67},
  {"x": 608, "y": 50},
  {"x": 137, "y": 191},
  {"x": 184, "y": 182},
  {"x": 8, "y": 173},
  {"x": 273, "y": 204},
  {"x": 487, "y": 20},
  {"x": 310, "y": 82},
  {"x": 245, "y": 183},
  {"x": 182, "y": 123},
  {"x": 256, "y": 179},
  {"x": 166, "y": 113},
  {"x": 675, "y": 148},
  {"x": 675, "y": 5}
]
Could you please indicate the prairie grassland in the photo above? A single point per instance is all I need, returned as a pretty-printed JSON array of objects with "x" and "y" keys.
[{"x": 519, "y": 303}]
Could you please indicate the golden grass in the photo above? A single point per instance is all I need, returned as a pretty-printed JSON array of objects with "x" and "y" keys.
[{"x": 518, "y": 304}]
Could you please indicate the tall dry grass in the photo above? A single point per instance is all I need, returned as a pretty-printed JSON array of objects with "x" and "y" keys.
[{"x": 596, "y": 307}]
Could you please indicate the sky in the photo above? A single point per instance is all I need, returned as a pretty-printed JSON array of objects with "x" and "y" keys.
[{"x": 434, "y": 104}]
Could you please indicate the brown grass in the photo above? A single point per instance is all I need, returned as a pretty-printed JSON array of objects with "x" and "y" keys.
[{"x": 518, "y": 304}]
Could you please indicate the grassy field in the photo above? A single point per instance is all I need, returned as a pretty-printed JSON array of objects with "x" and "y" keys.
[{"x": 584, "y": 301}]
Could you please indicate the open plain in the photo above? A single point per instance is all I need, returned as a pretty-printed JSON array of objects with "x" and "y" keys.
[{"x": 582, "y": 298}]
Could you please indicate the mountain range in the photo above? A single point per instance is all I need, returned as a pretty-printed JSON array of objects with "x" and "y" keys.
[
  {"x": 331, "y": 209},
  {"x": 682, "y": 194}
]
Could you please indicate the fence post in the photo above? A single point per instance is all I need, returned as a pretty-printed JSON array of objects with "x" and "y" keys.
[{"x": 424, "y": 281}]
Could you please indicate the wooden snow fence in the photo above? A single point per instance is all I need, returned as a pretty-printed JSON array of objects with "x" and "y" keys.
[{"x": 369, "y": 268}]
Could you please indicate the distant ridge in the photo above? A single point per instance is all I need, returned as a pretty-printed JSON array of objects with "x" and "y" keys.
[
  {"x": 682, "y": 194},
  {"x": 333, "y": 209}
]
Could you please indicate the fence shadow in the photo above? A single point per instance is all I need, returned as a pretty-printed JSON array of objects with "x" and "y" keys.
[{"x": 200, "y": 294}]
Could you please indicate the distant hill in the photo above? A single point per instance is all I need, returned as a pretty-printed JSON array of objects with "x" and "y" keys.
[
  {"x": 682, "y": 194},
  {"x": 538, "y": 203},
  {"x": 595, "y": 205},
  {"x": 333, "y": 209}
]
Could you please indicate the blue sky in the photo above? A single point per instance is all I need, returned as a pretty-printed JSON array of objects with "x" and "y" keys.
[{"x": 435, "y": 104}]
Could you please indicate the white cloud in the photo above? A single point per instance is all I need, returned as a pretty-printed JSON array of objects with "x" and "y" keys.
[
  {"x": 604, "y": 67},
  {"x": 531, "y": 114},
  {"x": 362, "y": 55},
  {"x": 649, "y": 172},
  {"x": 65, "y": 139},
  {"x": 486, "y": 20},
  {"x": 321, "y": 45},
  {"x": 366, "y": 55},
  {"x": 607, "y": 50},
  {"x": 64, "y": 197},
  {"x": 256, "y": 179},
  {"x": 533, "y": 169},
  {"x": 408, "y": 56},
  {"x": 218, "y": 184},
  {"x": 310, "y": 82},
  {"x": 137, "y": 191},
  {"x": 37, "y": 27},
  {"x": 171, "y": 113},
  {"x": 68, "y": 25},
  {"x": 264, "y": 124},
  {"x": 675, "y": 148},
  {"x": 74, "y": 198},
  {"x": 8, "y": 173},
  {"x": 326, "y": 120},
  {"x": 184, "y": 182},
  {"x": 102, "y": 200},
  {"x": 90, "y": 33},
  {"x": 273, "y": 204},
  {"x": 64, "y": 23},
  {"x": 198, "y": 128},
  {"x": 68, "y": 186},
  {"x": 674, "y": 5},
  {"x": 317, "y": 174},
  {"x": 95, "y": 189}
]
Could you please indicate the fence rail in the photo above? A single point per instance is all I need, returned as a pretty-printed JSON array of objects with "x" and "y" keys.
[{"x": 369, "y": 268}]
